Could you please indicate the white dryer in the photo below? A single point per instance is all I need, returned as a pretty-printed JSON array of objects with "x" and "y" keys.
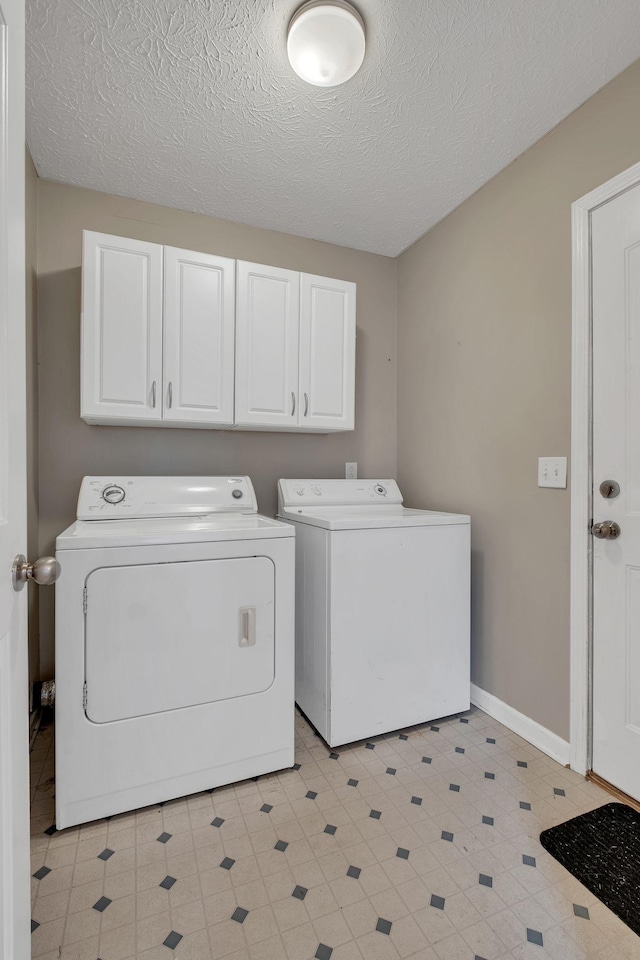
[
  {"x": 382, "y": 607},
  {"x": 174, "y": 643}
]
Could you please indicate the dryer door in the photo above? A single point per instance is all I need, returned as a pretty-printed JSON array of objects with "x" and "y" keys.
[{"x": 170, "y": 635}]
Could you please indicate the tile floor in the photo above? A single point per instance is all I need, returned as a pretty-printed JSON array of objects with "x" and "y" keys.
[{"x": 421, "y": 844}]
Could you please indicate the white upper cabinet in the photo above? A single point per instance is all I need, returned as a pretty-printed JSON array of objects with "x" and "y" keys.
[
  {"x": 199, "y": 294},
  {"x": 267, "y": 323},
  {"x": 176, "y": 338},
  {"x": 327, "y": 353},
  {"x": 121, "y": 329}
]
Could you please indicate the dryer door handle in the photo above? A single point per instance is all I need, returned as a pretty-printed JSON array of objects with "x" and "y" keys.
[{"x": 247, "y": 627}]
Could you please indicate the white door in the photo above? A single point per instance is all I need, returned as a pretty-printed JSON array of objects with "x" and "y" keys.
[
  {"x": 199, "y": 322},
  {"x": 327, "y": 353},
  {"x": 14, "y": 709},
  {"x": 267, "y": 323},
  {"x": 121, "y": 329},
  {"x": 616, "y": 457}
]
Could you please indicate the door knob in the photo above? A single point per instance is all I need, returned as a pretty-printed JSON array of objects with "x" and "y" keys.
[
  {"x": 606, "y": 530},
  {"x": 44, "y": 571}
]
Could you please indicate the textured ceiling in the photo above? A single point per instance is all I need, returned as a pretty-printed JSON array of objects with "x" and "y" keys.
[{"x": 192, "y": 104}]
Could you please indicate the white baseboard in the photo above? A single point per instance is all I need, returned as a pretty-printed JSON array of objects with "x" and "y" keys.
[{"x": 530, "y": 730}]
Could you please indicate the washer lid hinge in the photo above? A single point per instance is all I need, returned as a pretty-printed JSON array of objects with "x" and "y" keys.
[
  {"x": 84, "y": 600},
  {"x": 84, "y": 695}
]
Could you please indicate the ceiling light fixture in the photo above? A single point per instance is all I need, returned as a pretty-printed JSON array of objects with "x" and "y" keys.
[{"x": 326, "y": 42}]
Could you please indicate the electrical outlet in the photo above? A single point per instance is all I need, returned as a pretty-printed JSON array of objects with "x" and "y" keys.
[
  {"x": 351, "y": 471},
  {"x": 552, "y": 472}
]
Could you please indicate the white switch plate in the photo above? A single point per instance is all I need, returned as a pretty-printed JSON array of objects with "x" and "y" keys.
[
  {"x": 351, "y": 471},
  {"x": 552, "y": 472}
]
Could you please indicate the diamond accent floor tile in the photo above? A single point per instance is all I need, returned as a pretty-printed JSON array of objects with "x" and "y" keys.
[
  {"x": 250, "y": 871},
  {"x": 323, "y": 952},
  {"x": 172, "y": 940}
]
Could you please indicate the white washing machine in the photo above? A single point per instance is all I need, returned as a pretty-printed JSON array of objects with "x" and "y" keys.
[
  {"x": 174, "y": 643},
  {"x": 382, "y": 607}
]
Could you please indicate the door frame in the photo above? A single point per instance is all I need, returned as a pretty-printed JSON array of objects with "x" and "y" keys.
[{"x": 581, "y": 554}]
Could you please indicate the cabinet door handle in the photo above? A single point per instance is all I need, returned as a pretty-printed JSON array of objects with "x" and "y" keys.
[
  {"x": 293, "y": 403},
  {"x": 306, "y": 404},
  {"x": 153, "y": 394},
  {"x": 170, "y": 395}
]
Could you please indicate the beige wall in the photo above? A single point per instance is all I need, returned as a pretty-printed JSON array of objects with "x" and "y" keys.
[
  {"x": 31, "y": 251},
  {"x": 69, "y": 448},
  {"x": 484, "y": 371}
]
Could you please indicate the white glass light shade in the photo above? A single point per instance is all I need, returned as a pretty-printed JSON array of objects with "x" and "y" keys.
[{"x": 326, "y": 42}]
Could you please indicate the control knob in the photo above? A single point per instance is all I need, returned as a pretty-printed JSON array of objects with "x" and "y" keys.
[{"x": 113, "y": 493}]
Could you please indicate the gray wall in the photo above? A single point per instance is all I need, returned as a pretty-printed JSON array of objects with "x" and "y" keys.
[
  {"x": 484, "y": 380},
  {"x": 69, "y": 448}
]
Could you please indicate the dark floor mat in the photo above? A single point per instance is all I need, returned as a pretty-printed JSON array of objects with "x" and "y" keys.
[{"x": 601, "y": 849}]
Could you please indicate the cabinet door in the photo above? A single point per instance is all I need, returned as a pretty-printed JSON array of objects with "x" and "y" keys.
[
  {"x": 267, "y": 346},
  {"x": 327, "y": 353},
  {"x": 198, "y": 337},
  {"x": 121, "y": 329}
]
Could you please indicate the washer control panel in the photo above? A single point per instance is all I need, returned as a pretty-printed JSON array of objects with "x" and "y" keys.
[
  {"x": 115, "y": 498},
  {"x": 336, "y": 492}
]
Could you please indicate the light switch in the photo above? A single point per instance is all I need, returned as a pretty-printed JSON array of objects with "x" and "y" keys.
[{"x": 552, "y": 472}]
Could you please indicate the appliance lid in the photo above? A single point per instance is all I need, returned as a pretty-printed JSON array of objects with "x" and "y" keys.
[
  {"x": 297, "y": 493},
  {"x": 116, "y": 497},
  {"x": 89, "y": 534},
  {"x": 362, "y": 517}
]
